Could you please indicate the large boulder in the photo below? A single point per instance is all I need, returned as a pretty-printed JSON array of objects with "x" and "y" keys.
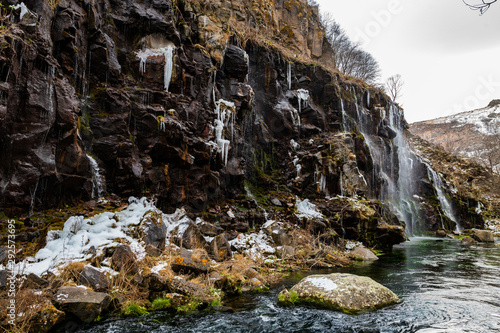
[
  {"x": 339, "y": 291},
  {"x": 85, "y": 304},
  {"x": 483, "y": 236},
  {"x": 45, "y": 317},
  {"x": 153, "y": 230},
  {"x": 363, "y": 253}
]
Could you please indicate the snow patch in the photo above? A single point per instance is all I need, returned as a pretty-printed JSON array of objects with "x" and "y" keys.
[
  {"x": 321, "y": 282},
  {"x": 307, "y": 209}
]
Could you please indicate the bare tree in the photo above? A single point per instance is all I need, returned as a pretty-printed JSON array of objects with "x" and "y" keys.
[
  {"x": 394, "y": 85},
  {"x": 482, "y": 7},
  {"x": 491, "y": 152},
  {"x": 348, "y": 57}
]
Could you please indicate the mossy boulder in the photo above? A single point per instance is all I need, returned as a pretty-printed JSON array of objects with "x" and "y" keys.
[
  {"x": 483, "y": 236},
  {"x": 339, "y": 291}
]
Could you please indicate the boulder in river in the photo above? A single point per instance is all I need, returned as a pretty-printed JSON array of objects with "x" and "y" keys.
[
  {"x": 483, "y": 236},
  {"x": 85, "y": 304},
  {"x": 339, "y": 291}
]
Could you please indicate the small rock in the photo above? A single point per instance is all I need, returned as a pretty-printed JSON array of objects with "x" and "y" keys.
[
  {"x": 216, "y": 279},
  {"x": 252, "y": 284},
  {"x": 191, "y": 264},
  {"x": 276, "y": 202},
  {"x": 179, "y": 285},
  {"x": 86, "y": 305},
  {"x": 124, "y": 259},
  {"x": 364, "y": 254},
  {"x": 208, "y": 229},
  {"x": 286, "y": 252},
  {"x": 441, "y": 233},
  {"x": 155, "y": 282},
  {"x": 468, "y": 240},
  {"x": 153, "y": 251},
  {"x": 220, "y": 248},
  {"x": 483, "y": 236},
  {"x": 153, "y": 230},
  {"x": 45, "y": 317},
  {"x": 192, "y": 238},
  {"x": 33, "y": 281},
  {"x": 94, "y": 279}
]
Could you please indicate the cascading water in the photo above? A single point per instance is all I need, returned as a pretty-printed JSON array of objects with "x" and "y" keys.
[
  {"x": 393, "y": 165},
  {"x": 97, "y": 179},
  {"x": 446, "y": 206}
]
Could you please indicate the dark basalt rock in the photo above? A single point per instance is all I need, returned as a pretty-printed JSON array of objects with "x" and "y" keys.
[
  {"x": 94, "y": 279},
  {"x": 84, "y": 304}
]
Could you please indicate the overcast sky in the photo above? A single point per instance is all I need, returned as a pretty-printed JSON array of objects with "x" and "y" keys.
[{"x": 448, "y": 55}]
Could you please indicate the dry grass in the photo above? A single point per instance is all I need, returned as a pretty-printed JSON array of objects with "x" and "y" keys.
[
  {"x": 27, "y": 304},
  {"x": 72, "y": 271}
]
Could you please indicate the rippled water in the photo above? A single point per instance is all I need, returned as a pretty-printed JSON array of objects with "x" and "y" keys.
[{"x": 444, "y": 287}]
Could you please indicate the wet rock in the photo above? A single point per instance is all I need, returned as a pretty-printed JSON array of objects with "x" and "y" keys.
[
  {"x": 253, "y": 284},
  {"x": 441, "y": 233},
  {"x": 220, "y": 248},
  {"x": 84, "y": 304},
  {"x": 363, "y": 253},
  {"x": 124, "y": 260},
  {"x": 344, "y": 292},
  {"x": 483, "y": 236},
  {"x": 94, "y": 279},
  {"x": 235, "y": 63},
  {"x": 276, "y": 202},
  {"x": 468, "y": 240}
]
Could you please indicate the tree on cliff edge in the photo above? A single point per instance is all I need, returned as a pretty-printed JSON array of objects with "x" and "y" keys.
[
  {"x": 482, "y": 7},
  {"x": 393, "y": 86}
]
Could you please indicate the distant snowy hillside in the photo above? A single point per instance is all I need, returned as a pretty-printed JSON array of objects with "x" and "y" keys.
[{"x": 475, "y": 134}]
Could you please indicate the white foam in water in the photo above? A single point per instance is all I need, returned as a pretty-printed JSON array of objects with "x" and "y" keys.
[{"x": 97, "y": 179}]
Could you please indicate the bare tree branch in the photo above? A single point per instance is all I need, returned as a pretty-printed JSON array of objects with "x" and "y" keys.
[
  {"x": 482, "y": 7},
  {"x": 394, "y": 85}
]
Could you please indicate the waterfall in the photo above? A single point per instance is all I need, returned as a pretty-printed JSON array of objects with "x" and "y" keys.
[
  {"x": 97, "y": 179},
  {"x": 446, "y": 206},
  {"x": 393, "y": 165},
  {"x": 298, "y": 167}
]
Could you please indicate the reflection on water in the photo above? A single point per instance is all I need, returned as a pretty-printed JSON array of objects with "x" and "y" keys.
[{"x": 445, "y": 287}]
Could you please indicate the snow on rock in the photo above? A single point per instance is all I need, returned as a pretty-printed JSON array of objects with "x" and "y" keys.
[
  {"x": 254, "y": 245},
  {"x": 307, "y": 209},
  {"x": 321, "y": 282},
  {"x": 103, "y": 230}
]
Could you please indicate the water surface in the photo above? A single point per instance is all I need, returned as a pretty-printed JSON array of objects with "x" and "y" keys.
[{"x": 444, "y": 286}]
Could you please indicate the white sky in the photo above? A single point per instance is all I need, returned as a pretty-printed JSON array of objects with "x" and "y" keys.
[{"x": 448, "y": 55}]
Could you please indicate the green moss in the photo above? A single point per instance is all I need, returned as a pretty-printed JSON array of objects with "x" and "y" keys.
[
  {"x": 161, "y": 304},
  {"x": 191, "y": 306},
  {"x": 134, "y": 310}
]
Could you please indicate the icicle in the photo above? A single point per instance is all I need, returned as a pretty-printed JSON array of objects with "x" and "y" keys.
[
  {"x": 298, "y": 167},
  {"x": 302, "y": 95},
  {"x": 225, "y": 112},
  {"x": 167, "y": 53},
  {"x": 289, "y": 76},
  {"x": 169, "y": 64}
]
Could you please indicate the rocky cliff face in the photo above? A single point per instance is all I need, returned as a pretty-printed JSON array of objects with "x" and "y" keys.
[{"x": 216, "y": 106}]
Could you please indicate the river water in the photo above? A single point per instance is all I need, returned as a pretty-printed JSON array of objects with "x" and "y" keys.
[{"x": 444, "y": 286}]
